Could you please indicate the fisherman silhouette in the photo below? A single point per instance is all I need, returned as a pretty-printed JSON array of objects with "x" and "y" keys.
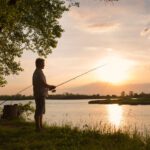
[{"x": 40, "y": 91}]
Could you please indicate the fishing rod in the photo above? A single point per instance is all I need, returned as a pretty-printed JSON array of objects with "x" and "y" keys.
[
  {"x": 81, "y": 75},
  {"x": 62, "y": 82}
]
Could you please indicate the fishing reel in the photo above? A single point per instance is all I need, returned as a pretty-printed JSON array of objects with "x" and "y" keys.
[{"x": 53, "y": 91}]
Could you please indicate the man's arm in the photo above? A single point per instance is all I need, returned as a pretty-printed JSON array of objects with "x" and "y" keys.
[
  {"x": 50, "y": 87},
  {"x": 44, "y": 84}
]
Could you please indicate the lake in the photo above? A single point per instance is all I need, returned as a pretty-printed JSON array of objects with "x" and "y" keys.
[{"x": 80, "y": 113}]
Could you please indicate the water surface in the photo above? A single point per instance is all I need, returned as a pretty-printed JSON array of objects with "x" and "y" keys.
[{"x": 80, "y": 113}]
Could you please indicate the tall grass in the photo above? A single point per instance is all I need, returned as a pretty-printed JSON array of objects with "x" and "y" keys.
[{"x": 19, "y": 135}]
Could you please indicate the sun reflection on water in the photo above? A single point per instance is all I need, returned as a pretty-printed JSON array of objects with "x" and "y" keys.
[{"x": 115, "y": 114}]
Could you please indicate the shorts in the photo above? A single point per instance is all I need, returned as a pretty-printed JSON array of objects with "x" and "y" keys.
[{"x": 40, "y": 106}]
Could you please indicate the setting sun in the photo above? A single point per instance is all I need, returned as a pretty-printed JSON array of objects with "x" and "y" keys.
[{"x": 116, "y": 71}]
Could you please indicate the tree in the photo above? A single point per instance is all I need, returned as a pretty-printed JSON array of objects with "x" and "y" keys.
[
  {"x": 28, "y": 25},
  {"x": 123, "y": 94},
  {"x": 131, "y": 93}
]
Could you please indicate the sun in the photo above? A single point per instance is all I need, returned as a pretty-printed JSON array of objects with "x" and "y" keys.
[{"x": 116, "y": 70}]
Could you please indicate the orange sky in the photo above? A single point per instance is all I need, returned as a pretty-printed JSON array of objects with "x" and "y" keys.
[{"x": 96, "y": 33}]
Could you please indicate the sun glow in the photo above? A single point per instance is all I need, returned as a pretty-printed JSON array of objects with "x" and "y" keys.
[{"x": 116, "y": 70}]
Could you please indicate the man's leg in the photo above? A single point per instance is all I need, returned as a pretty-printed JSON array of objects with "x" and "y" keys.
[
  {"x": 38, "y": 113},
  {"x": 41, "y": 121},
  {"x": 37, "y": 122},
  {"x": 42, "y": 111}
]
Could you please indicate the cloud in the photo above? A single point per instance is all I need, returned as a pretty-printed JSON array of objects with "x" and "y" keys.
[
  {"x": 102, "y": 27},
  {"x": 82, "y": 15},
  {"x": 146, "y": 32},
  {"x": 91, "y": 48},
  {"x": 97, "y": 21}
]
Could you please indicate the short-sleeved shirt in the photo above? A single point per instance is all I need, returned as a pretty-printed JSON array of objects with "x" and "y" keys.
[{"x": 39, "y": 90}]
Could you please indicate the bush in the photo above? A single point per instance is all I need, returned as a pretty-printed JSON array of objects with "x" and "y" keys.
[{"x": 25, "y": 110}]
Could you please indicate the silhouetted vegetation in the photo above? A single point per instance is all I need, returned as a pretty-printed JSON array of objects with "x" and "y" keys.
[
  {"x": 57, "y": 96},
  {"x": 68, "y": 96},
  {"x": 123, "y": 101},
  {"x": 17, "y": 135},
  {"x": 16, "y": 97},
  {"x": 23, "y": 26},
  {"x": 80, "y": 96}
]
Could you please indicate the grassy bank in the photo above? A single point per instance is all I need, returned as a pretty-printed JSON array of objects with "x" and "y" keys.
[
  {"x": 18, "y": 135},
  {"x": 123, "y": 101}
]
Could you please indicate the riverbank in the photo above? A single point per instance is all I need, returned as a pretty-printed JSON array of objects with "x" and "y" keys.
[
  {"x": 123, "y": 101},
  {"x": 21, "y": 135}
]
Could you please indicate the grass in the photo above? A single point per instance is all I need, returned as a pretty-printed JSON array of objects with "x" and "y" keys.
[
  {"x": 123, "y": 101},
  {"x": 20, "y": 135}
]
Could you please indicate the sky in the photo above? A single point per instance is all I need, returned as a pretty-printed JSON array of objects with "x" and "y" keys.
[{"x": 97, "y": 33}]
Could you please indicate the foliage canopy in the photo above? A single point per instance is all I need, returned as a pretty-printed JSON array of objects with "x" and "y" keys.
[{"x": 27, "y": 25}]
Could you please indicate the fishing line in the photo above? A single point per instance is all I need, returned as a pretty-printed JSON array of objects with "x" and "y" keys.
[{"x": 62, "y": 82}]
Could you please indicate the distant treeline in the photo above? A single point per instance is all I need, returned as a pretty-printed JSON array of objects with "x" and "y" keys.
[
  {"x": 15, "y": 97},
  {"x": 57, "y": 96},
  {"x": 74, "y": 96}
]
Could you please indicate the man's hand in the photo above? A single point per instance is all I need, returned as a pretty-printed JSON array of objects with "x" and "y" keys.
[{"x": 51, "y": 87}]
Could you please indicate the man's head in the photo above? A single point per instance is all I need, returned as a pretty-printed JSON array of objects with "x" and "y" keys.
[{"x": 40, "y": 63}]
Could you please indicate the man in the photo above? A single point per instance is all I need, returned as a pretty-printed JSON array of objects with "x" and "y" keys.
[{"x": 40, "y": 90}]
